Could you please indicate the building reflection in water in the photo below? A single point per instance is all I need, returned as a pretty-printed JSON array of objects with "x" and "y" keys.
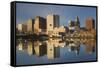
[
  {"x": 90, "y": 46},
  {"x": 52, "y": 47},
  {"x": 40, "y": 48},
  {"x": 73, "y": 46},
  {"x": 53, "y": 50}
]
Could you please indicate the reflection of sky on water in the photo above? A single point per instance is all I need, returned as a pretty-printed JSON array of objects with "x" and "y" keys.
[{"x": 71, "y": 52}]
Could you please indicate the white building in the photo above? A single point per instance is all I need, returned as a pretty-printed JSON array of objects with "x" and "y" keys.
[{"x": 52, "y": 22}]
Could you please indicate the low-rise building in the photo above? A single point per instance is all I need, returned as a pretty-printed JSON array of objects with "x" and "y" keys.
[{"x": 21, "y": 28}]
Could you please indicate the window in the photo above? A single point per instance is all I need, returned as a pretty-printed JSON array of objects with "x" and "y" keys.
[{"x": 50, "y": 24}]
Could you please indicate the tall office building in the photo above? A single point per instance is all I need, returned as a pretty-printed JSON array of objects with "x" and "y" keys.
[
  {"x": 90, "y": 23},
  {"x": 39, "y": 24},
  {"x": 30, "y": 25},
  {"x": 52, "y": 22}
]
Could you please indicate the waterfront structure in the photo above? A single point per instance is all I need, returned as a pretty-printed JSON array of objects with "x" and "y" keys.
[
  {"x": 24, "y": 28},
  {"x": 50, "y": 26},
  {"x": 21, "y": 28},
  {"x": 74, "y": 25},
  {"x": 59, "y": 31},
  {"x": 62, "y": 30},
  {"x": 39, "y": 24},
  {"x": 52, "y": 22},
  {"x": 30, "y": 25},
  {"x": 55, "y": 32},
  {"x": 71, "y": 26},
  {"x": 77, "y": 24},
  {"x": 90, "y": 23}
]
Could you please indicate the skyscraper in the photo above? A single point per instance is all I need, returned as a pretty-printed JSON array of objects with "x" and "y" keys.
[
  {"x": 52, "y": 22},
  {"x": 39, "y": 24},
  {"x": 30, "y": 25}
]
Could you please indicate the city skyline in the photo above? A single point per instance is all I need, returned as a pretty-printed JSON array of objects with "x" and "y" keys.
[
  {"x": 66, "y": 13},
  {"x": 47, "y": 33}
]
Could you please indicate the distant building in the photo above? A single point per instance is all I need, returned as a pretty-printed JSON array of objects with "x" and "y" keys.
[
  {"x": 24, "y": 28},
  {"x": 55, "y": 31},
  {"x": 67, "y": 29},
  {"x": 52, "y": 22},
  {"x": 62, "y": 30},
  {"x": 71, "y": 26},
  {"x": 59, "y": 31},
  {"x": 90, "y": 23},
  {"x": 77, "y": 24},
  {"x": 39, "y": 24},
  {"x": 30, "y": 26},
  {"x": 21, "y": 28}
]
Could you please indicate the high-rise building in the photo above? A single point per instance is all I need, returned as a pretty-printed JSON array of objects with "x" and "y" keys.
[
  {"x": 56, "y": 21},
  {"x": 39, "y": 24},
  {"x": 52, "y": 22},
  {"x": 30, "y": 25},
  {"x": 90, "y": 23}
]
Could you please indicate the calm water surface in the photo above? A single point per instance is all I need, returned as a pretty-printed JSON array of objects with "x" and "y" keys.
[{"x": 33, "y": 52}]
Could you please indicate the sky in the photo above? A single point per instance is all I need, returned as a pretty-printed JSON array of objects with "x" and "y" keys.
[{"x": 25, "y": 11}]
